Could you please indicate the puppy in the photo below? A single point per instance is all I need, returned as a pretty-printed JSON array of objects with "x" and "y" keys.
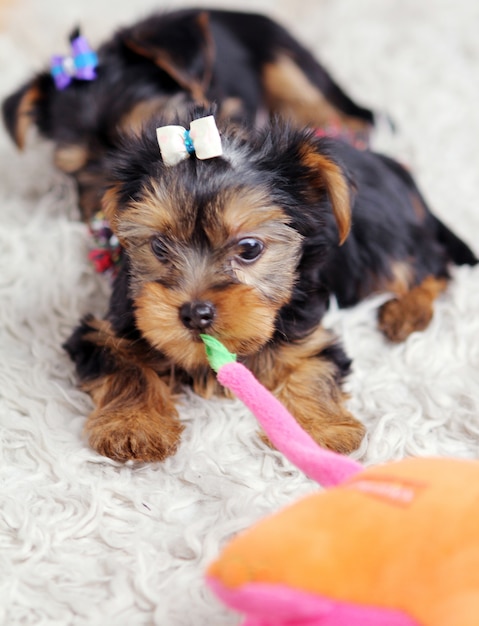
[
  {"x": 248, "y": 65},
  {"x": 249, "y": 246}
]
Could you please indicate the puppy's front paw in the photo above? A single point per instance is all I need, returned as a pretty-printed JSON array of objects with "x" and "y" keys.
[
  {"x": 143, "y": 436},
  {"x": 343, "y": 437}
]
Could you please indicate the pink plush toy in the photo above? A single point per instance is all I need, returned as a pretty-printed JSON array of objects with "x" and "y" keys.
[
  {"x": 396, "y": 545},
  {"x": 284, "y": 432}
]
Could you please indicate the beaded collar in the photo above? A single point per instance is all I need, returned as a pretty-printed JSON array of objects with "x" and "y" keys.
[{"x": 105, "y": 249}]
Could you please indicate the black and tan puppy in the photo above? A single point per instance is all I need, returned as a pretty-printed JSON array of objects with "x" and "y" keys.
[
  {"x": 247, "y": 64},
  {"x": 249, "y": 246}
]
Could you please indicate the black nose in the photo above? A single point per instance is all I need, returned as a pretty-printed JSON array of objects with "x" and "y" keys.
[{"x": 197, "y": 315}]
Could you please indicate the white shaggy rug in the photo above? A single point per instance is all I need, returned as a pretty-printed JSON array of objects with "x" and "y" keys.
[{"x": 86, "y": 541}]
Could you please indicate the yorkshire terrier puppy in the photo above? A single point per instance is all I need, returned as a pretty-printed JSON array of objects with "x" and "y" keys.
[
  {"x": 247, "y": 64},
  {"x": 248, "y": 245}
]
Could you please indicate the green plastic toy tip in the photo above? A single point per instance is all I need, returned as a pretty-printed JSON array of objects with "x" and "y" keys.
[{"x": 216, "y": 353}]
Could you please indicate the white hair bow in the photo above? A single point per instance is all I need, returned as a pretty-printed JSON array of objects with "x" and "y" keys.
[{"x": 176, "y": 143}]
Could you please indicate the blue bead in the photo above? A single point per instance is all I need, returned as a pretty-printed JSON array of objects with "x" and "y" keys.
[{"x": 190, "y": 148}]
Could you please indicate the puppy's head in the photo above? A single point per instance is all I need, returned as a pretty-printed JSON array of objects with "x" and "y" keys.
[{"x": 221, "y": 245}]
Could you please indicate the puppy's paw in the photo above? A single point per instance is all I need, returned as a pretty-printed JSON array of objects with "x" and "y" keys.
[
  {"x": 144, "y": 437},
  {"x": 342, "y": 436},
  {"x": 398, "y": 318},
  {"x": 412, "y": 312},
  {"x": 342, "y": 433}
]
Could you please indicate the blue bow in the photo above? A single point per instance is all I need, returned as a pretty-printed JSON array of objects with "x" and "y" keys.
[{"x": 80, "y": 64}]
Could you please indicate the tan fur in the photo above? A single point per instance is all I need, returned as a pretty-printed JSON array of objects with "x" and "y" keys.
[
  {"x": 71, "y": 158},
  {"x": 289, "y": 92},
  {"x": 171, "y": 212},
  {"x": 330, "y": 176},
  {"x": 158, "y": 319},
  {"x": 156, "y": 212},
  {"x": 249, "y": 210},
  {"x": 403, "y": 278},
  {"x": 400, "y": 282},
  {"x": 109, "y": 205},
  {"x": 24, "y": 117},
  {"x": 135, "y": 415},
  {"x": 229, "y": 109},
  {"x": 134, "y": 120},
  {"x": 412, "y": 312}
]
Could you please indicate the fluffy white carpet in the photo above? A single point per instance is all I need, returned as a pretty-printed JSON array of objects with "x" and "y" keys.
[{"x": 86, "y": 541}]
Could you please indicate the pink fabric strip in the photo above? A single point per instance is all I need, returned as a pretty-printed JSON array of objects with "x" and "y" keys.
[
  {"x": 326, "y": 467},
  {"x": 278, "y": 605}
]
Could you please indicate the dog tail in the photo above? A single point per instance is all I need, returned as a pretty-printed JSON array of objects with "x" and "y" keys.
[{"x": 459, "y": 252}]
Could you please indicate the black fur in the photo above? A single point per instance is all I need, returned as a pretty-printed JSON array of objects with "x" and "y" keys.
[{"x": 91, "y": 361}]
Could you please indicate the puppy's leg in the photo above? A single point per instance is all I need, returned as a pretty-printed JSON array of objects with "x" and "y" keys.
[
  {"x": 411, "y": 311},
  {"x": 306, "y": 377},
  {"x": 293, "y": 91},
  {"x": 298, "y": 87},
  {"x": 135, "y": 417},
  {"x": 88, "y": 173}
]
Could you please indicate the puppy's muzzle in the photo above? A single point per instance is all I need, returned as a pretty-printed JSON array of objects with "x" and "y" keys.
[{"x": 197, "y": 315}]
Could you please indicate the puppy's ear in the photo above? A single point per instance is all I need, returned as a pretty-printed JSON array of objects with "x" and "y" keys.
[
  {"x": 186, "y": 52},
  {"x": 324, "y": 173},
  {"x": 19, "y": 110}
]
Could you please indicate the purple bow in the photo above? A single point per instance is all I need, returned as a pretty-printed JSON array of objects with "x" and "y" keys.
[{"x": 80, "y": 64}]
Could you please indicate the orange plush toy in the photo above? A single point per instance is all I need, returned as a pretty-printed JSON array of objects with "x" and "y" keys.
[{"x": 395, "y": 545}]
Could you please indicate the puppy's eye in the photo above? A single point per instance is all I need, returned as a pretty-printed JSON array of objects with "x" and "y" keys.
[
  {"x": 249, "y": 249},
  {"x": 160, "y": 250}
]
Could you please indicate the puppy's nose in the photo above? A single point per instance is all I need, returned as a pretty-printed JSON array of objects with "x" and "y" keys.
[{"x": 197, "y": 315}]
